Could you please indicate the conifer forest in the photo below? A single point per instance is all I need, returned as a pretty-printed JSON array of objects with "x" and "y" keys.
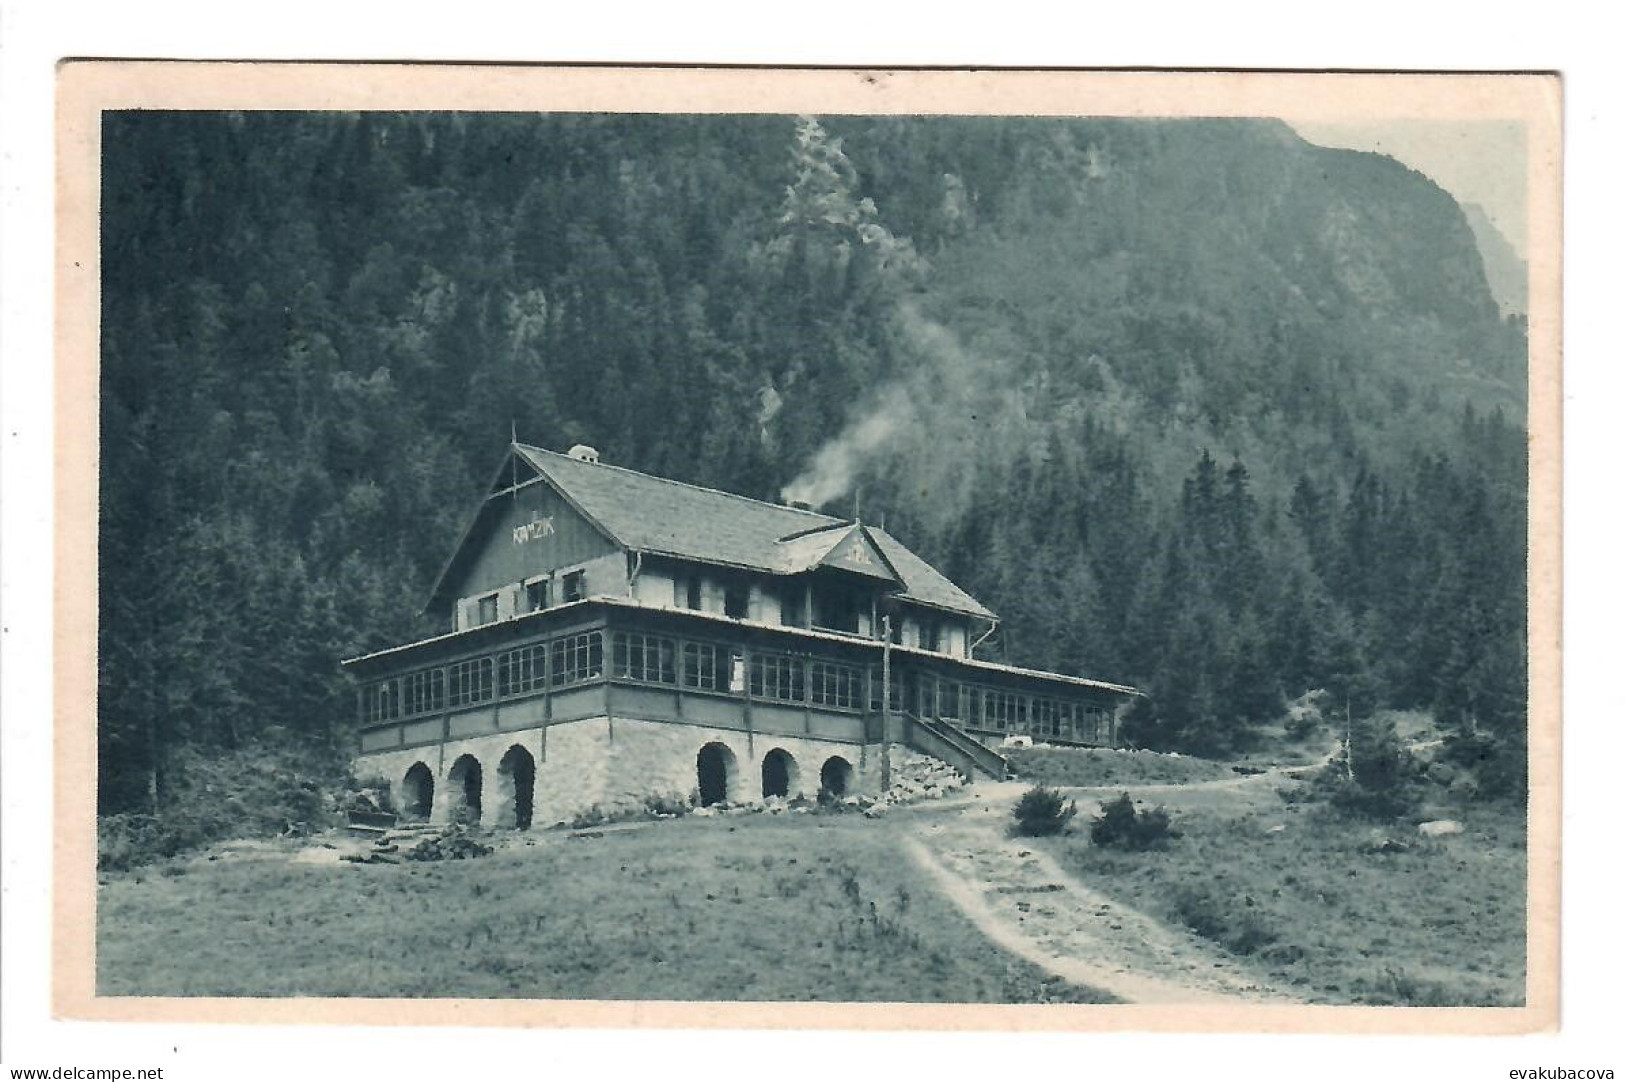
[{"x": 1194, "y": 405}]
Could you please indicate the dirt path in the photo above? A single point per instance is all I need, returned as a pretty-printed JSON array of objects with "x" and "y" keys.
[{"x": 1025, "y": 902}]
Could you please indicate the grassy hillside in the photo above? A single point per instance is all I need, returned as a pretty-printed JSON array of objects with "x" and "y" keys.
[
  {"x": 1344, "y": 911},
  {"x": 756, "y": 908}
]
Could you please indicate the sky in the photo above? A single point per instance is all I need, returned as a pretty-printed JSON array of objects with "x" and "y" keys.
[{"x": 1477, "y": 161}]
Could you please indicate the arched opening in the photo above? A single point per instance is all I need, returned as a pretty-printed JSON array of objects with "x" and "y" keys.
[
  {"x": 718, "y": 769},
  {"x": 516, "y": 777},
  {"x": 780, "y": 775},
  {"x": 466, "y": 784},
  {"x": 835, "y": 778},
  {"x": 417, "y": 792}
]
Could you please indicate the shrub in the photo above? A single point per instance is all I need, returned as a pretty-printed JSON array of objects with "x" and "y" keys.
[
  {"x": 1122, "y": 826},
  {"x": 259, "y": 790},
  {"x": 1303, "y": 726},
  {"x": 666, "y": 804},
  {"x": 1042, "y": 811},
  {"x": 1387, "y": 777},
  {"x": 588, "y": 817},
  {"x": 1499, "y": 763},
  {"x": 1239, "y": 929}
]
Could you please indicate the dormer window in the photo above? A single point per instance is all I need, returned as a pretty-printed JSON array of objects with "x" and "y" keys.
[
  {"x": 736, "y": 601},
  {"x": 574, "y": 586},
  {"x": 536, "y": 598},
  {"x": 487, "y": 610}
]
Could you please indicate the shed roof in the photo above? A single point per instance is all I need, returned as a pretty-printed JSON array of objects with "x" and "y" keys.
[{"x": 659, "y": 516}]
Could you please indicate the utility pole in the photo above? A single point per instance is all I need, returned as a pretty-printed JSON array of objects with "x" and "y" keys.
[
  {"x": 885, "y": 704},
  {"x": 1348, "y": 737}
]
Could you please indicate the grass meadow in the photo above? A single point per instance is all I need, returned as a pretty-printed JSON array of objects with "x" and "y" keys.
[
  {"x": 773, "y": 908},
  {"x": 1318, "y": 905}
]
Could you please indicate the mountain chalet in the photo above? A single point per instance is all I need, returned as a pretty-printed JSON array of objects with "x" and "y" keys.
[{"x": 617, "y": 638}]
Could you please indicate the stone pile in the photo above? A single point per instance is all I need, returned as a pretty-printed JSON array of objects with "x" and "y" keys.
[
  {"x": 421, "y": 843},
  {"x": 454, "y": 844},
  {"x": 917, "y": 777},
  {"x": 773, "y": 805}
]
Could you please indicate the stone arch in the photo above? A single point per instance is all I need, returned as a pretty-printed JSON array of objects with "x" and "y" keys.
[
  {"x": 781, "y": 775},
  {"x": 417, "y": 792},
  {"x": 466, "y": 794},
  {"x": 718, "y": 770},
  {"x": 515, "y": 803},
  {"x": 835, "y": 776}
]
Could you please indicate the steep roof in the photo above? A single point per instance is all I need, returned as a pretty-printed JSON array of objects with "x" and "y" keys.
[{"x": 669, "y": 518}]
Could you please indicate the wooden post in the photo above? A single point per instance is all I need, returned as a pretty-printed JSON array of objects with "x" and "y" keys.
[
  {"x": 1348, "y": 737},
  {"x": 744, "y": 689},
  {"x": 885, "y": 705}
]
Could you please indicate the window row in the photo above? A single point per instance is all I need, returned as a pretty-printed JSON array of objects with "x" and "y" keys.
[
  {"x": 530, "y": 597},
  {"x": 570, "y": 660},
  {"x": 1032, "y": 715},
  {"x": 704, "y": 666}
]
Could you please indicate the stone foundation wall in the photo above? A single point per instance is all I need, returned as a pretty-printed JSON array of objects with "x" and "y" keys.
[{"x": 613, "y": 765}]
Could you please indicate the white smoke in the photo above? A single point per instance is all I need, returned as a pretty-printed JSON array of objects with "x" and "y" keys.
[
  {"x": 951, "y": 405},
  {"x": 835, "y": 467}
]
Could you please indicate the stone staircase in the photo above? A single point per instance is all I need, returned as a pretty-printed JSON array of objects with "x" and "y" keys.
[{"x": 964, "y": 753}]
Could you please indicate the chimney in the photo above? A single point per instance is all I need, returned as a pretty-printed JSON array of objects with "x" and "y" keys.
[{"x": 583, "y": 453}]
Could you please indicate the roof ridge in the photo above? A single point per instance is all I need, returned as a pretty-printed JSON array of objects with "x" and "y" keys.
[
  {"x": 799, "y": 534},
  {"x": 830, "y": 521}
]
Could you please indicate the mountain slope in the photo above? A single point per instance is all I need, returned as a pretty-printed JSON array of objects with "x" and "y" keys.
[
  {"x": 1193, "y": 404},
  {"x": 1505, "y": 270}
]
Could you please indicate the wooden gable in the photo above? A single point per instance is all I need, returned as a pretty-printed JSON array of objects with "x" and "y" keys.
[
  {"x": 857, "y": 553},
  {"x": 517, "y": 535}
]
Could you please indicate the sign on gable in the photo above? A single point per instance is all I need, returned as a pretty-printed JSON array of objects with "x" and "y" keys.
[
  {"x": 539, "y": 526},
  {"x": 854, "y": 552}
]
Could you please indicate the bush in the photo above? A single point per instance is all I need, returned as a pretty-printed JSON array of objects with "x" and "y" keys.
[
  {"x": 1499, "y": 763},
  {"x": 1042, "y": 811},
  {"x": 1239, "y": 929},
  {"x": 259, "y": 790},
  {"x": 129, "y": 840},
  {"x": 675, "y": 804},
  {"x": 1303, "y": 725},
  {"x": 1387, "y": 777},
  {"x": 1122, "y": 826}
]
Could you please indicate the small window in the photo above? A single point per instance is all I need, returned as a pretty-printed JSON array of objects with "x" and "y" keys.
[
  {"x": 833, "y": 684},
  {"x": 577, "y": 658},
  {"x": 792, "y": 605},
  {"x": 644, "y": 657},
  {"x": 931, "y": 635},
  {"x": 692, "y": 590},
  {"x": 736, "y": 601},
  {"x": 574, "y": 586},
  {"x": 536, "y": 596},
  {"x": 488, "y": 610},
  {"x": 425, "y": 691},
  {"x": 700, "y": 668},
  {"x": 470, "y": 681},
  {"x": 776, "y": 676}
]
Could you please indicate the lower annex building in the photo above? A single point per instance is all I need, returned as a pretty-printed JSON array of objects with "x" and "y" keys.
[{"x": 618, "y": 638}]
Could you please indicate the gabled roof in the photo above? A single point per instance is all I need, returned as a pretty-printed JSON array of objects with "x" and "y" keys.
[
  {"x": 669, "y": 518},
  {"x": 846, "y": 545}
]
